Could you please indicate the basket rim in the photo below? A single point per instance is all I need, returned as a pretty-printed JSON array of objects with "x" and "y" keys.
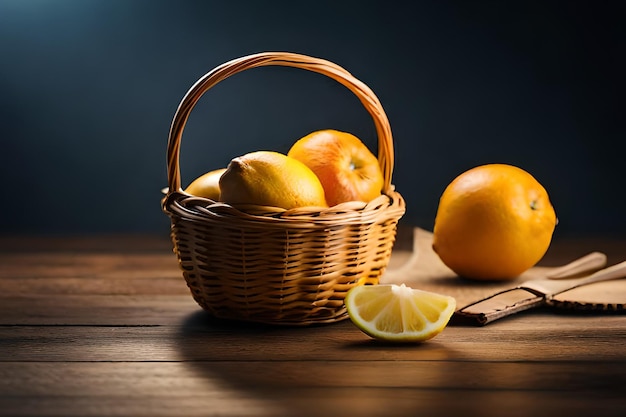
[
  {"x": 366, "y": 96},
  {"x": 185, "y": 207}
]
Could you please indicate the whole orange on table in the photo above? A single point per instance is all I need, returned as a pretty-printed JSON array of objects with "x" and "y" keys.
[
  {"x": 344, "y": 165},
  {"x": 493, "y": 222}
]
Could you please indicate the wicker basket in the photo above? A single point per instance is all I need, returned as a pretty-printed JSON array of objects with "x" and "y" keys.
[{"x": 264, "y": 264}]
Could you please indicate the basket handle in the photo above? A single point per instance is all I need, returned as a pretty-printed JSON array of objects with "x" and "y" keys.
[{"x": 321, "y": 66}]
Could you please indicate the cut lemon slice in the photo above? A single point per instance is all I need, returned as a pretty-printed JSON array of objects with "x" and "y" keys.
[{"x": 398, "y": 313}]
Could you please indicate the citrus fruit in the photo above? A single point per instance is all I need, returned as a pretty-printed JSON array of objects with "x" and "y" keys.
[
  {"x": 398, "y": 313},
  {"x": 268, "y": 178},
  {"x": 346, "y": 168},
  {"x": 206, "y": 185},
  {"x": 493, "y": 222}
]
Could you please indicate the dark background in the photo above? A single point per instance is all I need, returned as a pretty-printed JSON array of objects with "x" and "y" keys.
[{"x": 88, "y": 89}]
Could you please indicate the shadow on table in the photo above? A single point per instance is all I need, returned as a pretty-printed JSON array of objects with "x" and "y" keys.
[{"x": 290, "y": 370}]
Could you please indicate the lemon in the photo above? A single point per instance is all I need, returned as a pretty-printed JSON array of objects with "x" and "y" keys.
[
  {"x": 493, "y": 222},
  {"x": 268, "y": 178},
  {"x": 206, "y": 185},
  {"x": 398, "y": 313}
]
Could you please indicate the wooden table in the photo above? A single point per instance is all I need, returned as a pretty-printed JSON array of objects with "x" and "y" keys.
[{"x": 105, "y": 326}]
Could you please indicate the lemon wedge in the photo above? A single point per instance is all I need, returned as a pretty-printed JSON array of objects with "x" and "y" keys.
[{"x": 398, "y": 313}]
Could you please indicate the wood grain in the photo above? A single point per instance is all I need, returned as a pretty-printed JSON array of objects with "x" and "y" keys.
[
  {"x": 106, "y": 328},
  {"x": 195, "y": 338}
]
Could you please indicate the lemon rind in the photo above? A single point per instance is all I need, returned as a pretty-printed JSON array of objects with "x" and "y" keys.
[{"x": 431, "y": 328}]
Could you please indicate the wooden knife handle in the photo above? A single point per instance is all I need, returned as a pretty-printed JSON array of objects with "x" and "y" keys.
[{"x": 499, "y": 305}]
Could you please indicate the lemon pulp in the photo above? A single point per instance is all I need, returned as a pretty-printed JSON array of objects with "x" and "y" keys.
[{"x": 399, "y": 313}]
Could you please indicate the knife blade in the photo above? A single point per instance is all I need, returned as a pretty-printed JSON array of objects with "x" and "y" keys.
[{"x": 530, "y": 294}]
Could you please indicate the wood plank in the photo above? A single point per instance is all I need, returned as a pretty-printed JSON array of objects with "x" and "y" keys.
[
  {"x": 196, "y": 338},
  {"x": 288, "y": 388},
  {"x": 116, "y": 379},
  {"x": 27, "y": 274},
  {"x": 26, "y": 287},
  {"x": 350, "y": 401},
  {"x": 95, "y": 310},
  {"x": 90, "y": 265},
  {"x": 100, "y": 243}
]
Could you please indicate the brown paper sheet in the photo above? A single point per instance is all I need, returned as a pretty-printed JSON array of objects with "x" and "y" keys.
[{"x": 421, "y": 268}]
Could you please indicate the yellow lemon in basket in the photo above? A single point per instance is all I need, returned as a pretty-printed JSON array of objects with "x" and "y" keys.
[
  {"x": 493, "y": 222},
  {"x": 207, "y": 185},
  {"x": 346, "y": 168},
  {"x": 398, "y": 313},
  {"x": 267, "y": 178}
]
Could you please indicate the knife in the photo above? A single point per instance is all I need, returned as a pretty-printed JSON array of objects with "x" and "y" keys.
[{"x": 531, "y": 294}]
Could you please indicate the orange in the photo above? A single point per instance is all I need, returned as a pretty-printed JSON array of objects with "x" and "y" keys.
[
  {"x": 345, "y": 166},
  {"x": 206, "y": 185},
  {"x": 268, "y": 178},
  {"x": 493, "y": 222}
]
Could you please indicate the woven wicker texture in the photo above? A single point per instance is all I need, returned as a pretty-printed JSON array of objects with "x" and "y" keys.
[{"x": 269, "y": 265}]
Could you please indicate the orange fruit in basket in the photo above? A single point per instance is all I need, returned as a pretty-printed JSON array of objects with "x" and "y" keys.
[
  {"x": 493, "y": 222},
  {"x": 267, "y": 178},
  {"x": 206, "y": 185},
  {"x": 346, "y": 167}
]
